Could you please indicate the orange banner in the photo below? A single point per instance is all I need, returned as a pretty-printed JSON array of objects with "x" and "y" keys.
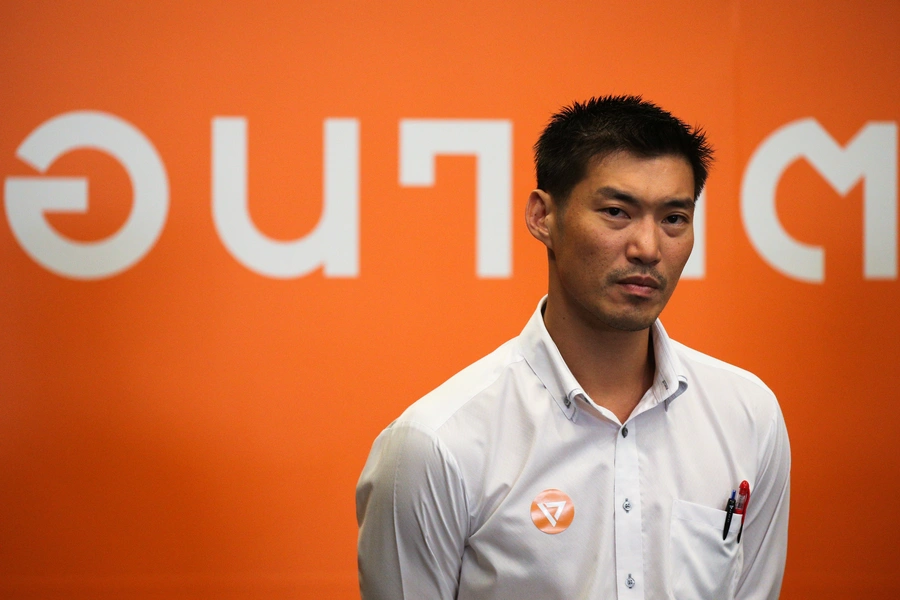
[{"x": 239, "y": 239}]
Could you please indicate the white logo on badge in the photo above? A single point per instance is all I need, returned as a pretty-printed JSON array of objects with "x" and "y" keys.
[
  {"x": 546, "y": 506},
  {"x": 552, "y": 511}
]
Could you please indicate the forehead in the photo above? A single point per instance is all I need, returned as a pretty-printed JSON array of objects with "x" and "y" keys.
[{"x": 664, "y": 174}]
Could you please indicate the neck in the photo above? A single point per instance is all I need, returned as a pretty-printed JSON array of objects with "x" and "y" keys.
[{"x": 614, "y": 367}]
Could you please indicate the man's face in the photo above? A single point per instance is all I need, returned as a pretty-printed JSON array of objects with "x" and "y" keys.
[{"x": 622, "y": 239}]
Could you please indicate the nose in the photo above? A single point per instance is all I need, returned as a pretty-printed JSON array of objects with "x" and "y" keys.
[{"x": 644, "y": 242}]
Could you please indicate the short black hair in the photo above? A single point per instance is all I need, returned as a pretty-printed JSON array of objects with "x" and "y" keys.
[{"x": 583, "y": 132}]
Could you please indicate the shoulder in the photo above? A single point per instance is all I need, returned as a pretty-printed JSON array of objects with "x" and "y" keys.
[
  {"x": 440, "y": 439},
  {"x": 457, "y": 406},
  {"x": 735, "y": 402},
  {"x": 729, "y": 394},
  {"x": 470, "y": 390},
  {"x": 713, "y": 372},
  {"x": 454, "y": 428}
]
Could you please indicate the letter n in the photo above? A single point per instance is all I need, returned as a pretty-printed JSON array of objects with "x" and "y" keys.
[{"x": 332, "y": 244}]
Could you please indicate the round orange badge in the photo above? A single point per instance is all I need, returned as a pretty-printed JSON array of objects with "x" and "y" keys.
[{"x": 552, "y": 511}]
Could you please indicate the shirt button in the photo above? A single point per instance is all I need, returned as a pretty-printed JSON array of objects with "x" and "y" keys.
[
  {"x": 626, "y": 505},
  {"x": 567, "y": 402},
  {"x": 629, "y": 583},
  {"x": 624, "y": 432}
]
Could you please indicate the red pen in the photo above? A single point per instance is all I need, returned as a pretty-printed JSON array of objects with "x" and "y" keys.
[{"x": 741, "y": 506}]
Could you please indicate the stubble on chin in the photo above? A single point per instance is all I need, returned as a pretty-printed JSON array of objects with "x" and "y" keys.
[{"x": 629, "y": 322}]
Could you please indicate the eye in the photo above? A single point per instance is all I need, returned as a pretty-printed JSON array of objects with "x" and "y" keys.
[
  {"x": 614, "y": 211},
  {"x": 675, "y": 219}
]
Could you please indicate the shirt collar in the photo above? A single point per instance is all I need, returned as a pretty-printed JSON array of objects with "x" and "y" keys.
[{"x": 543, "y": 357}]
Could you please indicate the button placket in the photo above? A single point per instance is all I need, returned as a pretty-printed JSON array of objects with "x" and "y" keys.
[{"x": 629, "y": 539}]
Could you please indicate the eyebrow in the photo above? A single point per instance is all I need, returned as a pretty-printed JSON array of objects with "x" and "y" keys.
[{"x": 617, "y": 194}]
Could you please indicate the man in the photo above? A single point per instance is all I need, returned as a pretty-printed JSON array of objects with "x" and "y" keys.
[{"x": 591, "y": 456}]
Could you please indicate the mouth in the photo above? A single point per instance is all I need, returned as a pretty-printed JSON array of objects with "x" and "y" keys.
[
  {"x": 641, "y": 280},
  {"x": 640, "y": 285}
]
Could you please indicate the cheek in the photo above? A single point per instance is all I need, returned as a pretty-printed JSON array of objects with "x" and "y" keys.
[
  {"x": 679, "y": 251},
  {"x": 587, "y": 263},
  {"x": 587, "y": 240},
  {"x": 584, "y": 254},
  {"x": 683, "y": 249}
]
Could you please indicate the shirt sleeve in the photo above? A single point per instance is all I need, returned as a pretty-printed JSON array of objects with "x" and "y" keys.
[
  {"x": 765, "y": 531},
  {"x": 412, "y": 516}
]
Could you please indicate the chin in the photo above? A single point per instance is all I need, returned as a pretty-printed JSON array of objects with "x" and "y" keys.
[{"x": 629, "y": 322}]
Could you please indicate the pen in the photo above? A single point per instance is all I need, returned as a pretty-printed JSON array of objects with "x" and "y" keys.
[
  {"x": 729, "y": 511},
  {"x": 741, "y": 508}
]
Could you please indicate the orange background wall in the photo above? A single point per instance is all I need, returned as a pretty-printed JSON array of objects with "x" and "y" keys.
[{"x": 189, "y": 428}]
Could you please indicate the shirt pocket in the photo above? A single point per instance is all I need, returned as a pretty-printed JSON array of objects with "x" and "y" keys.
[{"x": 704, "y": 567}]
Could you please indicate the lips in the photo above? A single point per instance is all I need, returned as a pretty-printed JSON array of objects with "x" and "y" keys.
[{"x": 641, "y": 280}]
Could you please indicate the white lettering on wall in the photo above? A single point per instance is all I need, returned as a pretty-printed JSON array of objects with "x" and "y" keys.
[
  {"x": 332, "y": 244},
  {"x": 28, "y": 198},
  {"x": 871, "y": 155},
  {"x": 421, "y": 140}
]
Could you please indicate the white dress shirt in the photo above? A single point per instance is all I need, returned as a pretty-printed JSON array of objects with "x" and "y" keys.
[{"x": 450, "y": 501}]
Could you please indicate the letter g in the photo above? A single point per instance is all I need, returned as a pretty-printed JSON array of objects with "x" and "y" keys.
[{"x": 28, "y": 198}]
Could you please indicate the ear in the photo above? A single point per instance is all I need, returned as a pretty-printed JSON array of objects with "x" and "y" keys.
[{"x": 540, "y": 215}]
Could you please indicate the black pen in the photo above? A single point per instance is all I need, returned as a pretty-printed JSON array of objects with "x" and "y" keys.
[{"x": 729, "y": 511}]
